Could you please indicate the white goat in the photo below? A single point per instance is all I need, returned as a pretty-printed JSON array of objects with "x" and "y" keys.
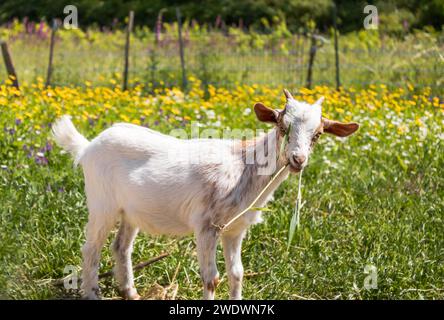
[{"x": 131, "y": 177}]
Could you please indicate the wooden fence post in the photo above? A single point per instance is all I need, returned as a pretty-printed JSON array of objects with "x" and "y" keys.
[
  {"x": 317, "y": 42},
  {"x": 296, "y": 50},
  {"x": 301, "y": 59},
  {"x": 51, "y": 52},
  {"x": 312, "y": 54},
  {"x": 127, "y": 48},
  {"x": 181, "y": 50},
  {"x": 338, "y": 81},
  {"x": 9, "y": 65}
]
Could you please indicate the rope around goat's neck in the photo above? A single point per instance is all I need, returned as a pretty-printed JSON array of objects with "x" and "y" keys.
[{"x": 221, "y": 228}]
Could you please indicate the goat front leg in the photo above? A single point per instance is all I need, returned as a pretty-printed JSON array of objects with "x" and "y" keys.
[
  {"x": 97, "y": 230},
  {"x": 232, "y": 245},
  {"x": 206, "y": 241}
]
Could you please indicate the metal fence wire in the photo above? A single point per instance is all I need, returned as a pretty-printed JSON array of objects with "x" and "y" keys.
[{"x": 228, "y": 60}]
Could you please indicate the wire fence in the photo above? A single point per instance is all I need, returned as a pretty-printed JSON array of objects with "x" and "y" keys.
[{"x": 227, "y": 61}]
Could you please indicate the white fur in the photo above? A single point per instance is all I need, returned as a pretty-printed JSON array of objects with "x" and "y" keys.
[
  {"x": 69, "y": 138},
  {"x": 131, "y": 177},
  {"x": 162, "y": 185},
  {"x": 305, "y": 119}
]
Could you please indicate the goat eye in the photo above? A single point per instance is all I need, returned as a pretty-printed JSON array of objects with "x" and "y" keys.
[{"x": 316, "y": 137}]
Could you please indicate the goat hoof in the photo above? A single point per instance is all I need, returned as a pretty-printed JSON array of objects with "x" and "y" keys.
[
  {"x": 93, "y": 294},
  {"x": 135, "y": 297},
  {"x": 130, "y": 294}
]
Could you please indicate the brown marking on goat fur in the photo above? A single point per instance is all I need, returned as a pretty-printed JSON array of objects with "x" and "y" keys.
[
  {"x": 210, "y": 195},
  {"x": 213, "y": 199},
  {"x": 207, "y": 223},
  {"x": 207, "y": 171},
  {"x": 280, "y": 124},
  {"x": 211, "y": 286},
  {"x": 233, "y": 199},
  {"x": 339, "y": 129},
  {"x": 222, "y": 202},
  {"x": 319, "y": 130},
  {"x": 249, "y": 183},
  {"x": 264, "y": 113}
]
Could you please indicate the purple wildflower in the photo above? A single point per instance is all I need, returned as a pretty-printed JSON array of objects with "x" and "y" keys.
[
  {"x": 42, "y": 32},
  {"x": 114, "y": 23},
  {"x": 27, "y": 151},
  {"x": 41, "y": 159},
  {"x": 30, "y": 27},
  {"x": 405, "y": 24},
  {"x": 48, "y": 146}
]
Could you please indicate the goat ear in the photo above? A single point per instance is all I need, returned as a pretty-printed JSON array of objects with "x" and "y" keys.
[
  {"x": 288, "y": 95},
  {"x": 265, "y": 114},
  {"x": 319, "y": 101},
  {"x": 339, "y": 129}
]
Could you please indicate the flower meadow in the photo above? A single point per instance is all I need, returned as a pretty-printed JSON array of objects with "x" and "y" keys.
[{"x": 374, "y": 199}]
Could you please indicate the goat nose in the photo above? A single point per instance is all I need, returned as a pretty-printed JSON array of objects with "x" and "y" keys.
[{"x": 299, "y": 159}]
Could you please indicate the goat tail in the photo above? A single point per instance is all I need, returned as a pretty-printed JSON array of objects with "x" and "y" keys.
[{"x": 67, "y": 137}]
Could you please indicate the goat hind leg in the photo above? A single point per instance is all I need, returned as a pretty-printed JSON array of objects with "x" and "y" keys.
[{"x": 122, "y": 248}]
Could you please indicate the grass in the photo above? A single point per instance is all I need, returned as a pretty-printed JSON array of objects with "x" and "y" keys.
[{"x": 375, "y": 198}]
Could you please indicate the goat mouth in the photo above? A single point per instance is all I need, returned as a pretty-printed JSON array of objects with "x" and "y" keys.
[{"x": 295, "y": 169}]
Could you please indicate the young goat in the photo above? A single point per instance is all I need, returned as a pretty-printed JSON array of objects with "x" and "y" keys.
[{"x": 132, "y": 177}]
